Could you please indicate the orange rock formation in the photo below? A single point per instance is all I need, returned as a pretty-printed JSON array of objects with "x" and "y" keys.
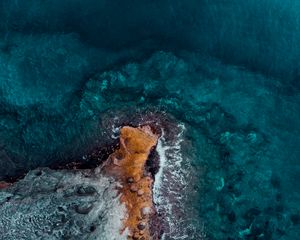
[{"x": 127, "y": 165}]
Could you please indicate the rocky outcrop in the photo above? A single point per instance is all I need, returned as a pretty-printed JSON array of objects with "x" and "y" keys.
[
  {"x": 128, "y": 166},
  {"x": 61, "y": 204},
  {"x": 111, "y": 201}
]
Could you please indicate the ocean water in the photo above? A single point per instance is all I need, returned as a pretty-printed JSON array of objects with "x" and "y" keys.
[{"x": 220, "y": 78}]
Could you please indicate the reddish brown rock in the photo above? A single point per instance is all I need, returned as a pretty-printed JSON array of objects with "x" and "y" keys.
[
  {"x": 128, "y": 166},
  {"x": 140, "y": 192},
  {"x": 133, "y": 188}
]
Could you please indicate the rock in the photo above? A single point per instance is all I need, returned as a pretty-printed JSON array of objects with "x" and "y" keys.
[
  {"x": 92, "y": 228},
  {"x": 130, "y": 235},
  {"x": 133, "y": 188},
  {"x": 146, "y": 211},
  {"x": 130, "y": 180},
  {"x": 55, "y": 214},
  {"x": 141, "y": 226},
  {"x": 136, "y": 236},
  {"x": 84, "y": 208},
  {"x": 86, "y": 190},
  {"x": 140, "y": 192},
  {"x": 135, "y": 147}
]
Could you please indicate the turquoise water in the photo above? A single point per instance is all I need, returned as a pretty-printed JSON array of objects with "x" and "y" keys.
[{"x": 72, "y": 72}]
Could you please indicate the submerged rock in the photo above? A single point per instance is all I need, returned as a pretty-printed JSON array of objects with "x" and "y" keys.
[
  {"x": 84, "y": 208},
  {"x": 88, "y": 190}
]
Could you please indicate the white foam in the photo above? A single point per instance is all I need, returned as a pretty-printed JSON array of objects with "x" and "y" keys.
[
  {"x": 170, "y": 182},
  {"x": 174, "y": 158},
  {"x": 115, "y": 130},
  {"x": 161, "y": 150},
  {"x": 171, "y": 190}
]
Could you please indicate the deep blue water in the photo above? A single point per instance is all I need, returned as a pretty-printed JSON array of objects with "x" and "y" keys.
[{"x": 228, "y": 70}]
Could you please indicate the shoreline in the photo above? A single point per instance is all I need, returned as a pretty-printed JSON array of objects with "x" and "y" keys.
[
  {"x": 134, "y": 163},
  {"x": 128, "y": 166}
]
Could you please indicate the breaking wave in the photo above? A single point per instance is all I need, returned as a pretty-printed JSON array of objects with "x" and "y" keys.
[{"x": 170, "y": 187}]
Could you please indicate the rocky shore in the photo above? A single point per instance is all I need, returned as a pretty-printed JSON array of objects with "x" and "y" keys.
[
  {"x": 131, "y": 167},
  {"x": 128, "y": 166}
]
